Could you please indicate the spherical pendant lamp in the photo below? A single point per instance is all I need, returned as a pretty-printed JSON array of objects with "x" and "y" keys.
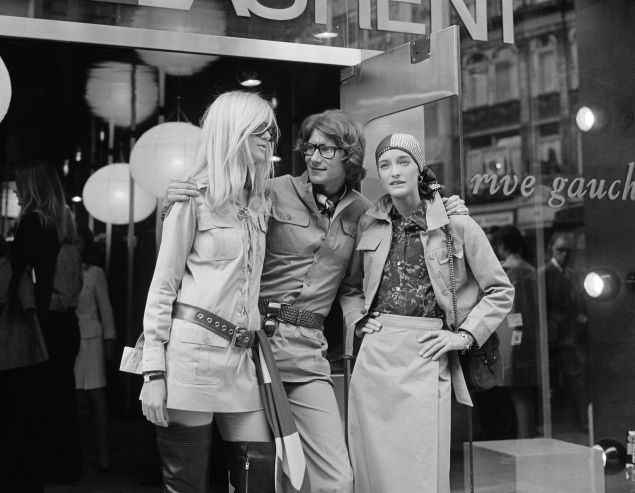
[
  {"x": 106, "y": 195},
  {"x": 177, "y": 64},
  {"x": 5, "y": 90},
  {"x": 162, "y": 154},
  {"x": 109, "y": 92}
]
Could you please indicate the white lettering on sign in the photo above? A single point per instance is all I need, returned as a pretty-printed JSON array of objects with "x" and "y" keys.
[
  {"x": 561, "y": 187},
  {"x": 476, "y": 25},
  {"x": 244, "y": 7}
]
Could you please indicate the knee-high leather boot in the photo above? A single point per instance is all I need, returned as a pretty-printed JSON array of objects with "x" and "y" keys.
[
  {"x": 184, "y": 454},
  {"x": 251, "y": 466}
]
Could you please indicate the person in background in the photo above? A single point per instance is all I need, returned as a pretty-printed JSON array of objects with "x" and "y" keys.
[
  {"x": 519, "y": 331},
  {"x": 97, "y": 329},
  {"x": 45, "y": 227},
  {"x": 396, "y": 297},
  {"x": 310, "y": 240},
  {"x": 566, "y": 319}
]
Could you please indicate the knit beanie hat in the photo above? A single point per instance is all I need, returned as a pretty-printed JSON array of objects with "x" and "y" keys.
[{"x": 405, "y": 142}]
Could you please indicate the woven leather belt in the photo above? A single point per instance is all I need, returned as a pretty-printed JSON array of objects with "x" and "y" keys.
[
  {"x": 242, "y": 337},
  {"x": 290, "y": 314}
]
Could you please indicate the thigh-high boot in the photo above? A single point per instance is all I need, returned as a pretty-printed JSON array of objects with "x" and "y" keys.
[
  {"x": 184, "y": 454},
  {"x": 251, "y": 466}
]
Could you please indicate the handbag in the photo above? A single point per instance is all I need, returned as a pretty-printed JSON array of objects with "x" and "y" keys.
[
  {"x": 21, "y": 340},
  {"x": 482, "y": 366}
]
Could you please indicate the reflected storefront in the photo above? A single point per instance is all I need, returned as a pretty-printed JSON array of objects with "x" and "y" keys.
[{"x": 526, "y": 111}]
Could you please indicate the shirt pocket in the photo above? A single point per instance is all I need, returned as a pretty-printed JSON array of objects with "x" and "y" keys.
[
  {"x": 201, "y": 356},
  {"x": 217, "y": 238},
  {"x": 345, "y": 241},
  {"x": 289, "y": 228}
]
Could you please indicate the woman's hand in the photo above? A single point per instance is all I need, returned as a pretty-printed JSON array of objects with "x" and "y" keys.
[
  {"x": 153, "y": 398},
  {"x": 454, "y": 205},
  {"x": 368, "y": 325},
  {"x": 438, "y": 342},
  {"x": 178, "y": 191}
]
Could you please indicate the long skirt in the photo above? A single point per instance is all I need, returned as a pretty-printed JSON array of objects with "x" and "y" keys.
[{"x": 399, "y": 411}]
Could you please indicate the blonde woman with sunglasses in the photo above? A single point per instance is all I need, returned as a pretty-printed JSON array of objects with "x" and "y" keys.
[{"x": 202, "y": 309}]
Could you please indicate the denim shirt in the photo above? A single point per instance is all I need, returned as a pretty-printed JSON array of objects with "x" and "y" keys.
[{"x": 484, "y": 293}]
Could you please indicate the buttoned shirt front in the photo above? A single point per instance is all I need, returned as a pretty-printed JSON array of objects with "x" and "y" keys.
[
  {"x": 211, "y": 259},
  {"x": 307, "y": 254}
]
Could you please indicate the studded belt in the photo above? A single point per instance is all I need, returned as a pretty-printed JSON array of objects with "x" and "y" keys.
[
  {"x": 240, "y": 336},
  {"x": 290, "y": 314}
]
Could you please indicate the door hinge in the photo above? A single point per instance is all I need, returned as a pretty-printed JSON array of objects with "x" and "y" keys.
[{"x": 420, "y": 49}]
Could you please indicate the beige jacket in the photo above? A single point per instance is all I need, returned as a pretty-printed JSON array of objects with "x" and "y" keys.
[{"x": 484, "y": 293}]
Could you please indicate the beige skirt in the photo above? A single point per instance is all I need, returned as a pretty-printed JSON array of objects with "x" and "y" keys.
[
  {"x": 90, "y": 365},
  {"x": 399, "y": 411}
]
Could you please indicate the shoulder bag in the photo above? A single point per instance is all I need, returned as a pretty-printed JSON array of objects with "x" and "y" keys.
[{"x": 482, "y": 365}]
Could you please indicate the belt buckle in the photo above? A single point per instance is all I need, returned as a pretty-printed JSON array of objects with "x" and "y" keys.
[
  {"x": 242, "y": 337},
  {"x": 273, "y": 308}
]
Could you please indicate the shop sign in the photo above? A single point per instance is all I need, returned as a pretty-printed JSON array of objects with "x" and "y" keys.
[
  {"x": 476, "y": 25},
  {"x": 562, "y": 188}
]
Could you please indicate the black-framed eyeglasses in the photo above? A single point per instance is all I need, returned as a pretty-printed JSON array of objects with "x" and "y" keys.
[
  {"x": 271, "y": 129},
  {"x": 326, "y": 151}
]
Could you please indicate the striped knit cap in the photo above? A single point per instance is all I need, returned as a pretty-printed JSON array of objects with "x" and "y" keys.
[{"x": 404, "y": 142}]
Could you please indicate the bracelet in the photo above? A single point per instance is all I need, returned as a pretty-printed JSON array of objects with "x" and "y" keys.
[
  {"x": 153, "y": 375},
  {"x": 468, "y": 342}
]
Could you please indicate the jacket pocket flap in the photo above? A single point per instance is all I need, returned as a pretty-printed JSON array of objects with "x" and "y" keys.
[
  {"x": 368, "y": 242},
  {"x": 206, "y": 220},
  {"x": 442, "y": 253},
  {"x": 193, "y": 334},
  {"x": 290, "y": 215}
]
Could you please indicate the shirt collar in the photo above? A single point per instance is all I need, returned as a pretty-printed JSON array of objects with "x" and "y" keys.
[
  {"x": 435, "y": 215},
  {"x": 418, "y": 216}
]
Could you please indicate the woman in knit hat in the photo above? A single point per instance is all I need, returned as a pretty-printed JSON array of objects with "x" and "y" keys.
[{"x": 398, "y": 295}]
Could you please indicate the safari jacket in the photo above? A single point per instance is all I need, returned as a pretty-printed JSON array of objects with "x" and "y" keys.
[
  {"x": 209, "y": 259},
  {"x": 484, "y": 293}
]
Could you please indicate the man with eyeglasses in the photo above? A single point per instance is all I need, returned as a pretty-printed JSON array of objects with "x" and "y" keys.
[{"x": 310, "y": 240}]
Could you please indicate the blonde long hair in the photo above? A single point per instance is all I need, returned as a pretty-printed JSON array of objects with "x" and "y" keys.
[
  {"x": 41, "y": 193},
  {"x": 224, "y": 162}
]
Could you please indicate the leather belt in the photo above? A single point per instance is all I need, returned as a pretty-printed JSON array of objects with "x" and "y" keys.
[
  {"x": 240, "y": 336},
  {"x": 290, "y": 314}
]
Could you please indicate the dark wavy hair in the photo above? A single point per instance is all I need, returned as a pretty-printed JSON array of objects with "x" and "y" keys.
[
  {"x": 509, "y": 237},
  {"x": 342, "y": 129}
]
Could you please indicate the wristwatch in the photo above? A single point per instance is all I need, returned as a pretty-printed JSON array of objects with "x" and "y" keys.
[{"x": 148, "y": 377}]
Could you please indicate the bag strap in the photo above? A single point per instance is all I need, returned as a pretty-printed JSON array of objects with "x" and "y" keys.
[
  {"x": 454, "y": 327},
  {"x": 448, "y": 239}
]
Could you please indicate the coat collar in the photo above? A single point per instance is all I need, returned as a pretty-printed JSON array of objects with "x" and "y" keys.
[{"x": 436, "y": 217}]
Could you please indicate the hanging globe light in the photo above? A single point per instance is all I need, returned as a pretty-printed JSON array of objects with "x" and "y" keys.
[
  {"x": 109, "y": 92},
  {"x": 176, "y": 64},
  {"x": 162, "y": 154},
  {"x": 5, "y": 90},
  {"x": 106, "y": 196}
]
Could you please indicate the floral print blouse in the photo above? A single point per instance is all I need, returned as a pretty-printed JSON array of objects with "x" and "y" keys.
[{"x": 405, "y": 287}]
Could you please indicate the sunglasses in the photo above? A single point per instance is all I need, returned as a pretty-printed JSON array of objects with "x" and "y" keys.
[
  {"x": 326, "y": 151},
  {"x": 271, "y": 129}
]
